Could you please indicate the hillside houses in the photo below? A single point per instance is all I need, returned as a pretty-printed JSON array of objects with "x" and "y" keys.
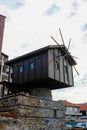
[
  {"x": 74, "y": 111},
  {"x": 83, "y": 108}
]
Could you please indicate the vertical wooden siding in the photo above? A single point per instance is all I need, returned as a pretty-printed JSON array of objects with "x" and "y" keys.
[
  {"x": 33, "y": 69},
  {"x": 20, "y": 72},
  {"x": 26, "y": 71},
  {"x": 57, "y": 65}
]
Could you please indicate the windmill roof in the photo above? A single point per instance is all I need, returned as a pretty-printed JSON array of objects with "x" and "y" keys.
[{"x": 62, "y": 48}]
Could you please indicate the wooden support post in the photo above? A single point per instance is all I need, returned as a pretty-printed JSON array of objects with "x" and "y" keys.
[
  {"x": 3, "y": 89},
  {"x": 8, "y": 92}
]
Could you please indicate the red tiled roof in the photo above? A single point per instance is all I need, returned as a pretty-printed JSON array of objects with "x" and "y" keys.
[
  {"x": 69, "y": 104},
  {"x": 83, "y": 106}
]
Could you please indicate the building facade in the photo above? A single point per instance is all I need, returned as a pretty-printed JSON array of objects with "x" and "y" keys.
[
  {"x": 83, "y": 108},
  {"x": 3, "y": 56},
  {"x": 72, "y": 110},
  {"x": 2, "y": 24},
  {"x": 3, "y": 67}
]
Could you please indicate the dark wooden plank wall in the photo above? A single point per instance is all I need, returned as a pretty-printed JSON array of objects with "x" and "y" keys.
[
  {"x": 20, "y": 72},
  {"x": 49, "y": 64},
  {"x": 26, "y": 71},
  {"x": 15, "y": 73},
  {"x": 44, "y": 70},
  {"x": 34, "y": 68},
  {"x": 31, "y": 69},
  {"x": 38, "y": 66}
]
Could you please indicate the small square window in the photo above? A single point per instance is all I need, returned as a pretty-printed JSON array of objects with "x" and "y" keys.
[
  {"x": 21, "y": 68},
  {"x": 66, "y": 69},
  {"x": 32, "y": 65}
]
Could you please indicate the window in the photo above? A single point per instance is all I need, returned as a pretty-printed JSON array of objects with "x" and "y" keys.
[
  {"x": 32, "y": 65},
  {"x": 21, "y": 68},
  {"x": 57, "y": 65},
  {"x": 66, "y": 69},
  {"x": 66, "y": 73}
]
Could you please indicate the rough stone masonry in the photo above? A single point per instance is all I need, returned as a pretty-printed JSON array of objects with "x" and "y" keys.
[{"x": 22, "y": 112}]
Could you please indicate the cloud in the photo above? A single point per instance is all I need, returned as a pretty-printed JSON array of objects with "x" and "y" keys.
[
  {"x": 72, "y": 94},
  {"x": 52, "y": 9},
  {"x": 12, "y": 4},
  {"x": 28, "y": 25},
  {"x": 75, "y": 4},
  {"x": 24, "y": 45},
  {"x": 81, "y": 80},
  {"x": 84, "y": 79},
  {"x": 85, "y": 37},
  {"x": 73, "y": 13},
  {"x": 84, "y": 27},
  {"x": 85, "y": 0},
  {"x": 74, "y": 8}
]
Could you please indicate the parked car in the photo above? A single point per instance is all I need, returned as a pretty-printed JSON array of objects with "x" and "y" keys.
[
  {"x": 82, "y": 118},
  {"x": 80, "y": 126},
  {"x": 68, "y": 127}
]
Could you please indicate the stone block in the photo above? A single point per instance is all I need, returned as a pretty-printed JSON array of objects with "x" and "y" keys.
[{"x": 34, "y": 113}]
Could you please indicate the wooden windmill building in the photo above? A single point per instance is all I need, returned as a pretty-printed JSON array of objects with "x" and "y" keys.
[{"x": 47, "y": 67}]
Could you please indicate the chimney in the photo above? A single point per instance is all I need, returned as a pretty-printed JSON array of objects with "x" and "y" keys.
[{"x": 2, "y": 23}]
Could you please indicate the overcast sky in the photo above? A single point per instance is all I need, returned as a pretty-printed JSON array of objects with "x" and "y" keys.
[{"x": 29, "y": 25}]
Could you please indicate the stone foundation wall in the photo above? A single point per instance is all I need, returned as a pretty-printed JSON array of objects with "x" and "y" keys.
[
  {"x": 7, "y": 123},
  {"x": 32, "y": 113}
]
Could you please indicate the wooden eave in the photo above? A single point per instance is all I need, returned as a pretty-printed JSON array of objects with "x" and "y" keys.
[
  {"x": 4, "y": 54},
  {"x": 39, "y": 51}
]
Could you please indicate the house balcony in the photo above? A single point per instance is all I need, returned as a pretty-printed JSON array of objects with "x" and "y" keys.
[
  {"x": 73, "y": 113},
  {"x": 4, "y": 76}
]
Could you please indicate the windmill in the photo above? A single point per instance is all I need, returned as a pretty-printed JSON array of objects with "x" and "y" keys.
[{"x": 65, "y": 49}]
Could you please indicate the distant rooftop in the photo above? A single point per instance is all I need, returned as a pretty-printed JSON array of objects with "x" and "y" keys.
[{"x": 69, "y": 104}]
